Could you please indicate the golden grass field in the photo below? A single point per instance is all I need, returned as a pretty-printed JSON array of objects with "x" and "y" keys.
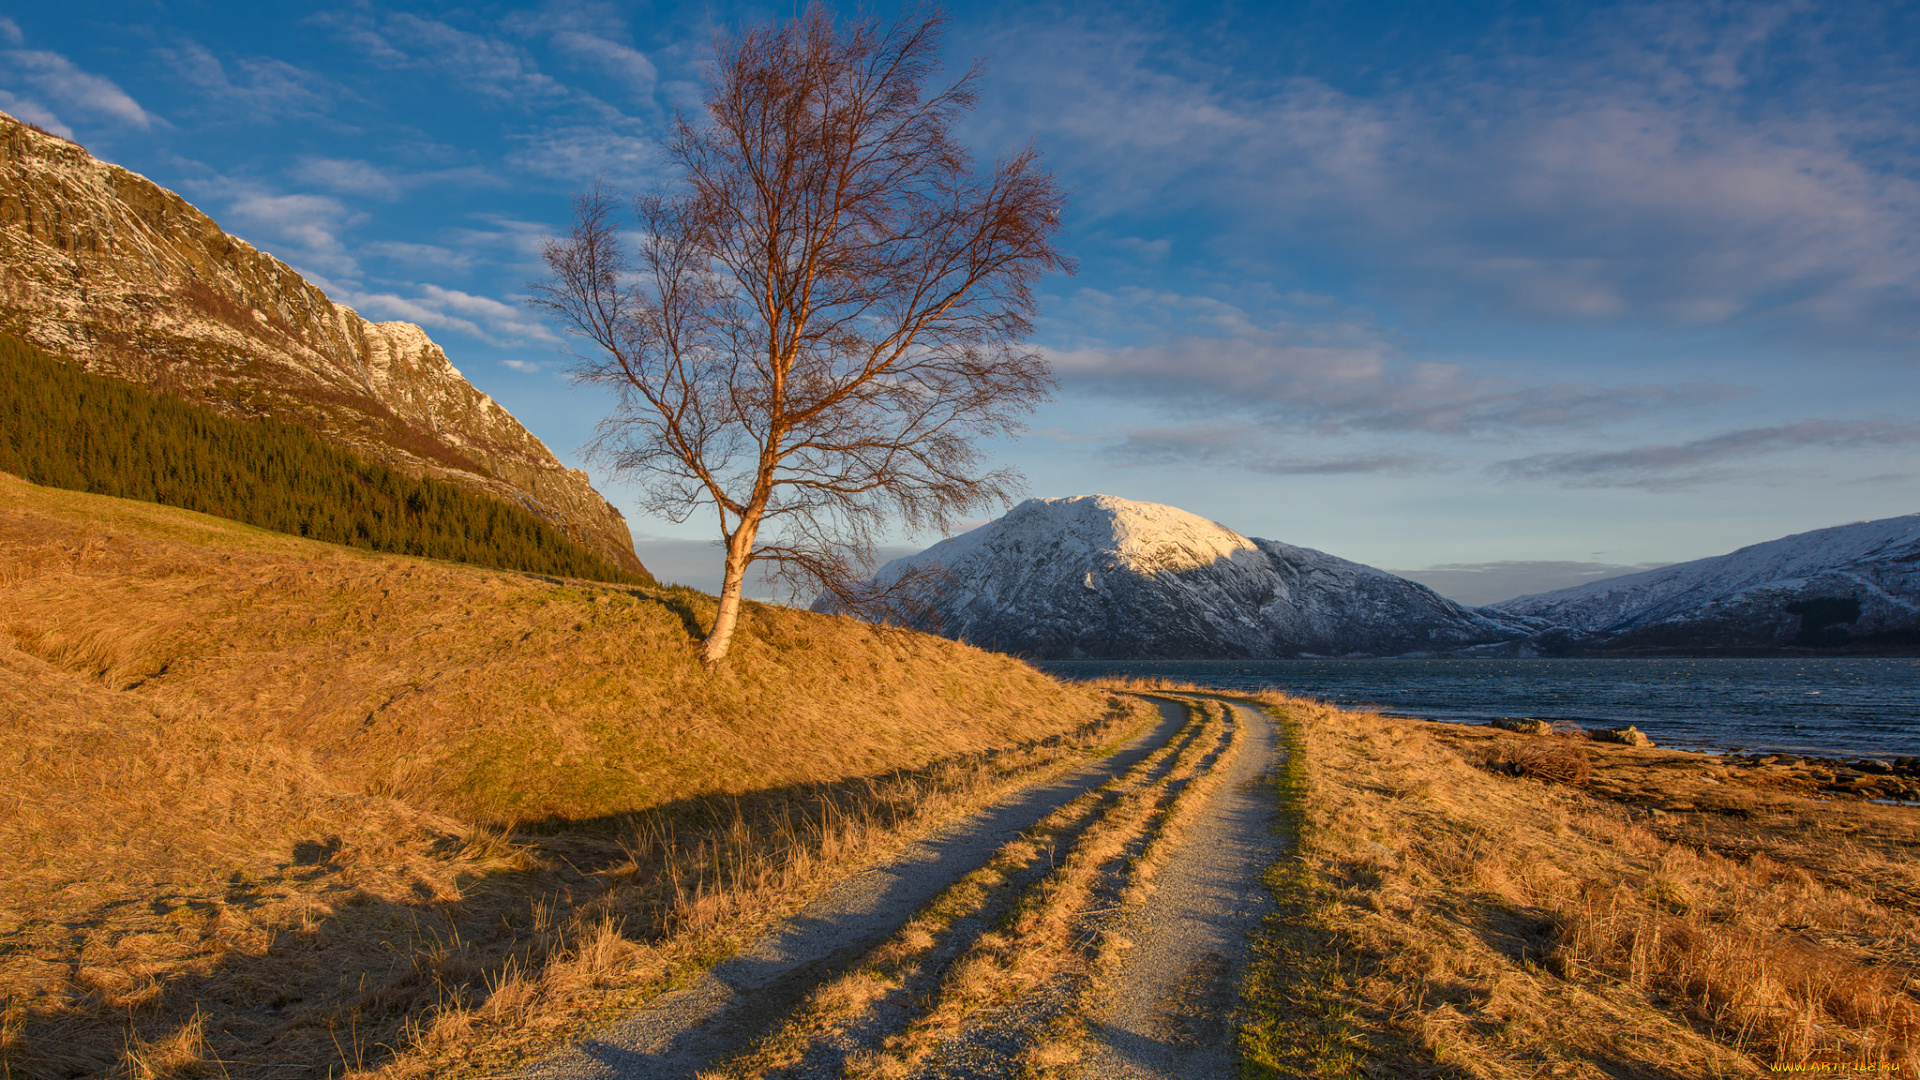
[
  {"x": 1675, "y": 916},
  {"x": 270, "y": 801}
]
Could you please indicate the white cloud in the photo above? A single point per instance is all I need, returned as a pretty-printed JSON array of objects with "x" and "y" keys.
[
  {"x": 71, "y": 88},
  {"x": 352, "y": 176},
  {"x": 10, "y": 32},
  {"x": 31, "y": 111},
  {"x": 527, "y": 366},
  {"x": 581, "y": 153},
  {"x": 482, "y": 317},
  {"x": 347, "y": 177},
  {"x": 1678, "y": 466},
  {"x": 627, "y": 64},
  {"x": 423, "y": 255},
  {"x": 312, "y": 224}
]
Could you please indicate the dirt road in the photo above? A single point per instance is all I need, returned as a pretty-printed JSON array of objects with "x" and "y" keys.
[{"x": 1001, "y": 945}]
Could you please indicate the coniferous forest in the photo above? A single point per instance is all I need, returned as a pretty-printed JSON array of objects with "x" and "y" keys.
[{"x": 63, "y": 427}]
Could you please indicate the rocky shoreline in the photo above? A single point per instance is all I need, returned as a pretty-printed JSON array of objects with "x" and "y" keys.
[{"x": 1875, "y": 779}]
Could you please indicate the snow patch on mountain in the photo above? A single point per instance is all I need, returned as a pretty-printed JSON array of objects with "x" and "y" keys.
[
  {"x": 1778, "y": 592},
  {"x": 1099, "y": 576}
]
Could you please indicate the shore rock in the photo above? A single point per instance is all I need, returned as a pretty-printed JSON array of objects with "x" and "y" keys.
[{"x": 1626, "y": 736}]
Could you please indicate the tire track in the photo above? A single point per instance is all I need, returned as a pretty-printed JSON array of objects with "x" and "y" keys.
[
  {"x": 1003, "y": 993},
  {"x": 1168, "y": 1011},
  {"x": 732, "y": 1005}
]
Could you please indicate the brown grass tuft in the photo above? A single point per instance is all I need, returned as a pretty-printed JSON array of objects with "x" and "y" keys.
[
  {"x": 1563, "y": 762},
  {"x": 180, "y": 1052}
]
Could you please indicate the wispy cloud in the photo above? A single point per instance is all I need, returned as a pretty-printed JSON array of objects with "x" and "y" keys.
[
  {"x": 489, "y": 65},
  {"x": 1682, "y": 465},
  {"x": 252, "y": 89},
  {"x": 354, "y": 176},
  {"x": 483, "y": 317},
  {"x": 64, "y": 86},
  {"x": 579, "y": 153},
  {"x": 33, "y": 112},
  {"x": 1246, "y": 448},
  {"x": 1335, "y": 373},
  {"x": 591, "y": 35},
  {"x": 300, "y": 228},
  {"x": 347, "y": 177},
  {"x": 627, "y": 64},
  {"x": 1636, "y": 174},
  {"x": 434, "y": 256},
  {"x": 10, "y": 33}
]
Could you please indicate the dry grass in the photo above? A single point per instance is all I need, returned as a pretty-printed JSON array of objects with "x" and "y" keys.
[
  {"x": 1563, "y": 761},
  {"x": 384, "y": 813},
  {"x": 1442, "y": 919}
]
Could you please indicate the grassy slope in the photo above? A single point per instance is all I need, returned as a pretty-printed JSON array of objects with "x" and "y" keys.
[{"x": 213, "y": 737}]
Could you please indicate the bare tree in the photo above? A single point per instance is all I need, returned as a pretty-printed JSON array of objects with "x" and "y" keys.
[{"x": 810, "y": 333}]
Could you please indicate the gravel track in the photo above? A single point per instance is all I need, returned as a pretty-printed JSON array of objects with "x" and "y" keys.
[
  {"x": 1168, "y": 1011},
  {"x": 990, "y": 1044},
  {"x": 683, "y": 1031}
]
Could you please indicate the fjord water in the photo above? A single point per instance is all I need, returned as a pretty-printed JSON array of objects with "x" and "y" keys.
[{"x": 1852, "y": 707}]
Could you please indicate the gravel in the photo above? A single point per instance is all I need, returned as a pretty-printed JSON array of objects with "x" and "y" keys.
[
  {"x": 1170, "y": 1009},
  {"x": 721, "y": 1011}
]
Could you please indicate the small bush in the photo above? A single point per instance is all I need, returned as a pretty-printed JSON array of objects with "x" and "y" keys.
[{"x": 1560, "y": 762}]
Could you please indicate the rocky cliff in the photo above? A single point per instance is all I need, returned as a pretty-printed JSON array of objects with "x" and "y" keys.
[
  {"x": 1851, "y": 586},
  {"x": 1107, "y": 578},
  {"x": 109, "y": 268}
]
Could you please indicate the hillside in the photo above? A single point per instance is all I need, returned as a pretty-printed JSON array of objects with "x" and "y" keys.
[
  {"x": 272, "y": 777},
  {"x": 1848, "y": 587},
  {"x": 64, "y": 427},
  {"x": 1108, "y": 578},
  {"x": 105, "y": 266}
]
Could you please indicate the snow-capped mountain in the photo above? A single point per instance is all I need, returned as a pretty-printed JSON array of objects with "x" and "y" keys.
[
  {"x": 1853, "y": 584},
  {"x": 1100, "y": 577}
]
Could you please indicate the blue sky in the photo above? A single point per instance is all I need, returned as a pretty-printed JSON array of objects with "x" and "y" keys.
[{"x": 1500, "y": 295}]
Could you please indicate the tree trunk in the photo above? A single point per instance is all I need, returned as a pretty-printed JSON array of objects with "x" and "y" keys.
[{"x": 720, "y": 638}]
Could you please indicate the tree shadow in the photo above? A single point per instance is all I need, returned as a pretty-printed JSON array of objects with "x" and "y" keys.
[{"x": 358, "y": 970}]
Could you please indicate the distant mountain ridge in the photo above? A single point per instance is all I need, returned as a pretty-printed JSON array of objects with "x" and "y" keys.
[
  {"x": 1852, "y": 585},
  {"x": 1096, "y": 576},
  {"x": 105, "y": 266}
]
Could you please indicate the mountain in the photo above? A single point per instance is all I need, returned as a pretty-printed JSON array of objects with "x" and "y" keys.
[
  {"x": 106, "y": 267},
  {"x": 1853, "y": 586},
  {"x": 1100, "y": 577}
]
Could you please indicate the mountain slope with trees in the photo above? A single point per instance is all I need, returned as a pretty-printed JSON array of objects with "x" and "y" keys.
[
  {"x": 103, "y": 265},
  {"x": 63, "y": 427}
]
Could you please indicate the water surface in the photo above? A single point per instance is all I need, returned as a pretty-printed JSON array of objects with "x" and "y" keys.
[{"x": 1851, "y": 707}]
